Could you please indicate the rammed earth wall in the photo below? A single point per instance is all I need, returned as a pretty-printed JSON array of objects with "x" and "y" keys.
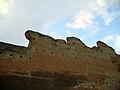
[{"x": 50, "y": 64}]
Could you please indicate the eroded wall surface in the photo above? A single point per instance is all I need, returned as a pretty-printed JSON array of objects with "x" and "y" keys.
[{"x": 50, "y": 64}]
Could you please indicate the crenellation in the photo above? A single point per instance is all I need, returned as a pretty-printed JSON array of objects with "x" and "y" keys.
[
  {"x": 63, "y": 63},
  {"x": 73, "y": 46},
  {"x": 61, "y": 42},
  {"x": 106, "y": 50},
  {"x": 30, "y": 35},
  {"x": 72, "y": 41},
  {"x": 39, "y": 40}
]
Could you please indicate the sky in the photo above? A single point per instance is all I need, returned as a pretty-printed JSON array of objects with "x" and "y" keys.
[{"x": 88, "y": 20}]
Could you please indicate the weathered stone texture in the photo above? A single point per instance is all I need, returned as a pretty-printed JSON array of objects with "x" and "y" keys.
[{"x": 50, "y": 64}]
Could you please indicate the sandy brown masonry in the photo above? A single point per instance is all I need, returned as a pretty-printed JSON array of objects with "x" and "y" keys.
[{"x": 56, "y": 64}]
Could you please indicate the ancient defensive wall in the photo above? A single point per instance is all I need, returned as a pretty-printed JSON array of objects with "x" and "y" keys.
[{"x": 55, "y": 64}]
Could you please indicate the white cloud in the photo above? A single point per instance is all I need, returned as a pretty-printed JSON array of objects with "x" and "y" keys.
[
  {"x": 103, "y": 11},
  {"x": 101, "y": 3},
  {"x": 85, "y": 19},
  {"x": 82, "y": 20},
  {"x": 37, "y": 15},
  {"x": 106, "y": 17},
  {"x": 5, "y": 5}
]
